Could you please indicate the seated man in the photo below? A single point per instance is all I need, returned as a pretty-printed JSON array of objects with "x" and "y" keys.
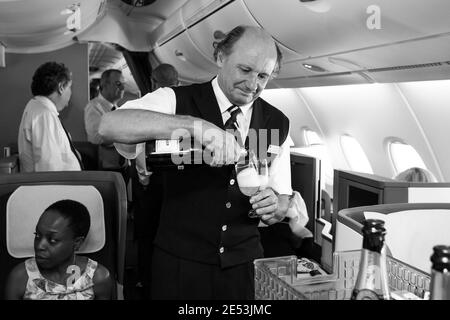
[{"x": 43, "y": 142}]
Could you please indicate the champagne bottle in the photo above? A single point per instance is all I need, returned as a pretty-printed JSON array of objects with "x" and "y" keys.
[
  {"x": 175, "y": 154},
  {"x": 372, "y": 281},
  {"x": 440, "y": 273}
]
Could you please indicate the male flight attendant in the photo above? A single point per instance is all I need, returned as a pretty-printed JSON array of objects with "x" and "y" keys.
[{"x": 206, "y": 243}]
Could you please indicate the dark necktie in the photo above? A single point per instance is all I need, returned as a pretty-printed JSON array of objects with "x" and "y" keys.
[
  {"x": 113, "y": 108},
  {"x": 72, "y": 147},
  {"x": 231, "y": 123}
]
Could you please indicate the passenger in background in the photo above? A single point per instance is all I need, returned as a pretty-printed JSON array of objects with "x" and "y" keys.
[
  {"x": 56, "y": 272},
  {"x": 43, "y": 142},
  {"x": 416, "y": 174},
  {"x": 164, "y": 75},
  {"x": 94, "y": 88},
  {"x": 147, "y": 193},
  {"x": 111, "y": 91}
]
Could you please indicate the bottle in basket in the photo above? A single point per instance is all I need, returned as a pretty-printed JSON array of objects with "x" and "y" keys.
[
  {"x": 372, "y": 281},
  {"x": 440, "y": 273}
]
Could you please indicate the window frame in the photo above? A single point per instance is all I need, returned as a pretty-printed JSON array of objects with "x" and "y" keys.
[{"x": 394, "y": 163}]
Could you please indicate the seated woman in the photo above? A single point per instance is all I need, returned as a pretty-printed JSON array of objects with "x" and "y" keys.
[
  {"x": 56, "y": 272},
  {"x": 416, "y": 174}
]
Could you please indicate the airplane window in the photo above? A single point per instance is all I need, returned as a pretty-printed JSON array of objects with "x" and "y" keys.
[
  {"x": 311, "y": 137},
  {"x": 355, "y": 155},
  {"x": 404, "y": 156}
]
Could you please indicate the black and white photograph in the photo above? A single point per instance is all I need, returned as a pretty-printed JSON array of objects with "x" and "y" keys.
[{"x": 225, "y": 158}]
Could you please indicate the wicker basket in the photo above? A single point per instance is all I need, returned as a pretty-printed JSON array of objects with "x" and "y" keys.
[{"x": 276, "y": 278}]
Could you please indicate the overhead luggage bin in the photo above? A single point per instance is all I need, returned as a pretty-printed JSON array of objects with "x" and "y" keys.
[
  {"x": 206, "y": 32},
  {"x": 190, "y": 62},
  {"x": 325, "y": 27}
]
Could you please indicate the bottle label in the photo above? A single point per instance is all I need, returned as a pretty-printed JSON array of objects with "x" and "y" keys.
[
  {"x": 366, "y": 294},
  {"x": 373, "y": 276},
  {"x": 167, "y": 146}
]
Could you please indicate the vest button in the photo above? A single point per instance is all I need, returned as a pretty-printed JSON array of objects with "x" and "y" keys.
[
  {"x": 224, "y": 227},
  {"x": 228, "y": 205},
  {"x": 232, "y": 182},
  {"x": 221, "y": 249}
]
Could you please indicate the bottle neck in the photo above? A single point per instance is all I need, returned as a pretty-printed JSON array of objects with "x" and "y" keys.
[
  {"x": 373, "y": 242},
  {"x": 372, "y": 281},
  {"x": 440, "y": 284}
]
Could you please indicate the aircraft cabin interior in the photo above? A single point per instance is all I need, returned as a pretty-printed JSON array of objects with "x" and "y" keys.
[{"x": 365, "y": 86}]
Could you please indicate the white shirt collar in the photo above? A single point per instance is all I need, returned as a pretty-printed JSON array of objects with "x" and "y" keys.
[
  {"x": 108, "y": 103},
  {"x": 47, "y": 103},
  {"x": 223, "y": 101}
]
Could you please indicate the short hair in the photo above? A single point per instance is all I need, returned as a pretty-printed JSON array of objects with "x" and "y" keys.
[
  {"x": 165, "y": 75},
  {"x": 227, "y": 43},
  {"x": 106, "y": 75},
  {"x": 47, "y": 78},
  {"x": 76, "y": 213},
  {"x": 416, "y": 174}
]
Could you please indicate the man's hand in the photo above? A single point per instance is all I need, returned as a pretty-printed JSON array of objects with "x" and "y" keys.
[
  {"x": 221, "y": 146},
  {"x": 270, "y": 207}
]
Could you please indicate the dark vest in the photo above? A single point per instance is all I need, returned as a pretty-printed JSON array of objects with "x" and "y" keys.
[{"x": 204, "y": 215}]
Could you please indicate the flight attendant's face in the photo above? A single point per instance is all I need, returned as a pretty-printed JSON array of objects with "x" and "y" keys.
[{"x": 244, "y": 73}]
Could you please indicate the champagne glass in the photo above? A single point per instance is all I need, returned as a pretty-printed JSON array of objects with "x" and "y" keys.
[{"x": 252, "y": 177}]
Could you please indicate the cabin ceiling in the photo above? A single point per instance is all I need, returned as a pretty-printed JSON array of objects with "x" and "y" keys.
[
  {"x": 324, "y": 42},
  {"x": 41, "y": 27}
]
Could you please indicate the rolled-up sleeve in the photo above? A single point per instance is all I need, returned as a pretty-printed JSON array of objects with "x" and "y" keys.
[
  {"x": 280, "y": 181},
  {"x": 280, "y": 169},
  {"x": 162, "y": 100}
]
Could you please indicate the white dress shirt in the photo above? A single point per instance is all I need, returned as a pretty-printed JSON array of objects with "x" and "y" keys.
[
  {"x": 42, "y": 142},
  {"x": 108, "y": 157},
  {"x": 164, "y": 100},
  {"x": 93, "y": 113}
]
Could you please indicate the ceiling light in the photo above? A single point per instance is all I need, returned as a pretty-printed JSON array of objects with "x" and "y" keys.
[{"x": 313, "y": 67}]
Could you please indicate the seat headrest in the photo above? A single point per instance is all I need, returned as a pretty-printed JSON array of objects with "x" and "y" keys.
[{"x": 27, "y": 203}]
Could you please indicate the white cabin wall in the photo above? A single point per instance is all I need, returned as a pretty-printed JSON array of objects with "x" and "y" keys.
[
  {"x": 430, "y": 101},
  {"x": 371, "y": 113},
  {"x": 414, "y": 112},
  {"x": 288, "y": 101}
]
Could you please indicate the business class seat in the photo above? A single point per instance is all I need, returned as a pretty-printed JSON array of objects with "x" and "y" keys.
[
  {"x": 24, "y": 196},
  {"x": 412, "y": 229}
]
